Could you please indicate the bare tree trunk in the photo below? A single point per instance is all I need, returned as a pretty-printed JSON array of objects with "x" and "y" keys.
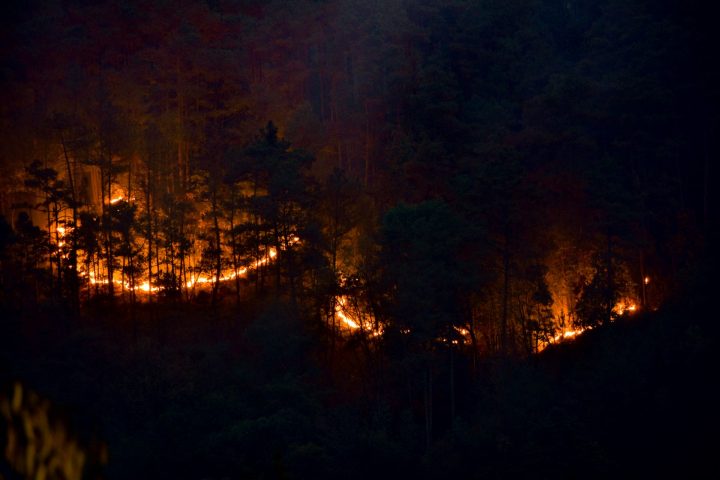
[
  {"x": 473, "y": 339},
  {"x": 218, "y": 249},
  {"x": 428, "y": 408},
  {"x": 149, "y": 237},
  {"x": 234, "y": 245},
  {"x": 276, "y": 240},
  {"x": 181, "y": 160},
  {"x": 58, "y": 253},
  {"x": 609, "y": 294},
  {"x": 108, "y": 229},
  {"x": 452, "y": 384},
  {"x": 506, "y": 293},
  {"x": 50, "y": 259},
  {"x": 74, "y": 284},
  {"x": 367, "y": 144}
]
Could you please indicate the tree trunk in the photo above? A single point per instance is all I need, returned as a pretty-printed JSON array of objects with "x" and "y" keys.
[
  {"x": 276, "y": 234},
  {"x": 108, "y": 230},
  {"x": 234, "y": 245},
  {"x": 452, "y": 384},
  {"x": 149, "y": 237},
  {"x": 218, "y": 249},
  {"x": 428, "y": 408},
  {"x": 610, "y": 289},
  {"x": 367, "y": 144},
  {"x": 506, "y": 292},
  {"x": 182, "y": 255},
  {"x": 74, "y": 284}
]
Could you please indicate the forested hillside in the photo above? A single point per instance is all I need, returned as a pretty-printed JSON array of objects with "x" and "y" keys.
[{"x": 346, "y": 238}]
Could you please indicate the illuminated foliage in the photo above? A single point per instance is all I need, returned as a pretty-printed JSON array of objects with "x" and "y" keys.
[{"x": 37, "y": 445}]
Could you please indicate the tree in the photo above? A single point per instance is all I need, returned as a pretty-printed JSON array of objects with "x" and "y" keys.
[
  {"x": 281, "y": 200},
  {"x": 54, "y": 203},
  {"x": 24, "y": 255},
  {"x": 535, "y": 313},
  {"x": 423, "y": 280},
  {"x": 123, "y": 217},
  {"x": 338, "y": 212},
  {"x": 87, "y": 235}
]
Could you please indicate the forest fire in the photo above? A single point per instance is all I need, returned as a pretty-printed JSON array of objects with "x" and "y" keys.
[
  {"x": 199, "y": 279},
  {"x": 342, "y": 313},
  {"x": 340, "y": 303},
  {"x": 61, "y": 236},
  {"x": 465, "y": 335},
  {"x": 261, "y": 238},
  {"x": 569, "y": 334},
  {"x": 625, "y": 306}
]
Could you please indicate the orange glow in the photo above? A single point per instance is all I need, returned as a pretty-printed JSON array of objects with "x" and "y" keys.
[
  {"x": 646, "y": 280},
  {"x": 564, "y": 335},
  {"x": 568, "y": 334},
  {"x": 340, "y": 304},
  {"x": 346, "y": 319},
  {"x": 200, "y": 279},
  {"x": 624, "y": 306},
  {"x": 462, "y": 331},
  {"x": 465, "y": 335},
  {"x": 61, "y": 235}
]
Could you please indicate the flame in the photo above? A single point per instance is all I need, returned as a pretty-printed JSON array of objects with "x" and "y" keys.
[
  {"x": 341, "y": 313},
  {"x": 464, "y": 333},
  {"x": 624, "y": 306},
  {"x": 340, "y": 304},
  {"x": 199, "y": 279},
  {"x": 567, "y": 334},
  {"x": 61, "y": 234}
]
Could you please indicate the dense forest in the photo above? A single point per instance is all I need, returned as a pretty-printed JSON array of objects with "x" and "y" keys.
[{"x": 342, "y": 238}]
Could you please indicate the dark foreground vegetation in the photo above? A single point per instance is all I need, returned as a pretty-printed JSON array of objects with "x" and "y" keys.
[{"x": 250, "y": 395}]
